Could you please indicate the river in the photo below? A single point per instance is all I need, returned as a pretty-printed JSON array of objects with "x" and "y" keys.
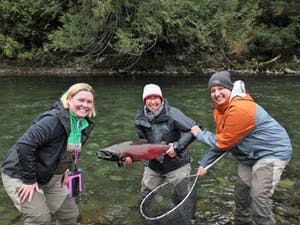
[{"x": 110, "y": 193}]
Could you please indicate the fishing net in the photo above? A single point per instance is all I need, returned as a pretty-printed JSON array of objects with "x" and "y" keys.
[{"x": 171, "y": 203}]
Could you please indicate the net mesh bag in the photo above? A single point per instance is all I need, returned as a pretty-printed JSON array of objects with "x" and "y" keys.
[{"x": 171, "y": 203}]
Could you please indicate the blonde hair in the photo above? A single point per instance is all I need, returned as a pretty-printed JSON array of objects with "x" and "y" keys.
[{"x": 73, "y": 90}]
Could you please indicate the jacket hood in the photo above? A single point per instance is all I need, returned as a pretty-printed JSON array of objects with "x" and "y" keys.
[{"x": 58, "y": 105}]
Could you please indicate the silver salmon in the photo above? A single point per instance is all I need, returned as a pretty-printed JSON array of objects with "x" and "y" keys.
[{"x": 137, "y": 151}]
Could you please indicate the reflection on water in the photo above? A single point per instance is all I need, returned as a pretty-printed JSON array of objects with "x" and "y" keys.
[{"x": 111, "y": 194}]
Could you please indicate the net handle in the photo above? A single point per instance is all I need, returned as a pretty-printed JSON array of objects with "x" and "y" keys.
[{"x": 217, "y": 159}]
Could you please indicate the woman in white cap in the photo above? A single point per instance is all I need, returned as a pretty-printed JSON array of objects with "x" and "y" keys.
[
  {"x": 157, "y": 121},
  {"x": 259, "y": 143}
]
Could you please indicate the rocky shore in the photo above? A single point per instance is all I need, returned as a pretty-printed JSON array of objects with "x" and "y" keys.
[{"x": 37, "y": 70}]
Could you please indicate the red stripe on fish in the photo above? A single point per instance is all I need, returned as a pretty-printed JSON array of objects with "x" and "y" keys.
[{"x": 137, "y": 151}]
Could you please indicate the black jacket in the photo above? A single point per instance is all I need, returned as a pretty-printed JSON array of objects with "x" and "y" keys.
[
  {"x": 38, "y": 152},
  {"x": 170, "y": 126}
]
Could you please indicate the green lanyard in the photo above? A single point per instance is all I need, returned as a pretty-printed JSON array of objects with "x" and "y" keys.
[{"x": 74, "y": 139}]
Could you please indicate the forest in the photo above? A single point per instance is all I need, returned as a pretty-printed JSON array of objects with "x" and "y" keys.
[{"x": 148, "y": 35}]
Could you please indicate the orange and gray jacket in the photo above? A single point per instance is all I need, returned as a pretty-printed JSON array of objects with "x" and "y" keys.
[{"x": 246, "y": 130}]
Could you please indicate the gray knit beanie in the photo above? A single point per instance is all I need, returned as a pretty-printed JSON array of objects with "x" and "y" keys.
[{"x": 221, "y": 78}]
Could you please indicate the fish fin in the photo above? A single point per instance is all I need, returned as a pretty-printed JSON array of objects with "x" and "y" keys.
[{"x": 139, "y": 142}]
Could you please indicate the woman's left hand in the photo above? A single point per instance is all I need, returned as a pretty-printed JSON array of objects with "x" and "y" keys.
[
  {"x": 171, "y": 151},
  {"x": 195, "y": 130},
  {"x": 64, "y": 179}
]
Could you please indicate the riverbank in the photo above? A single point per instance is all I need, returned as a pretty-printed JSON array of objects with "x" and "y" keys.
[{"x": 14, "y": 69}]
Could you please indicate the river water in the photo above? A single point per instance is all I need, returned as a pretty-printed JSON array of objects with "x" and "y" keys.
[{"x": 111, "y": 193}]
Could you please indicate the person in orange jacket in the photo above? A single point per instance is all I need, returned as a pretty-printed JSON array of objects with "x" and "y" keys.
[{"x": 258, "y": 142}]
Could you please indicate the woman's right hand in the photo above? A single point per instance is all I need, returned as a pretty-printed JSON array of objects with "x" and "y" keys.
[
  {"x": 26, "y": 191},
  {"x": 128, "y": 160},
  {"x": 201, "y": 171}
]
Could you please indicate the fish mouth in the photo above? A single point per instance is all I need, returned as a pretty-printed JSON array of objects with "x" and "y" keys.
[{"x": 106, "y": 155}]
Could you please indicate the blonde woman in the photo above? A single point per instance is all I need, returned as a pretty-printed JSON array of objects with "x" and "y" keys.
[{"x": 35, "y": 170}]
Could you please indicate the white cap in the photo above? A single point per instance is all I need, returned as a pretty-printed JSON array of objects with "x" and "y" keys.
[{"x": 152, "y": 90}]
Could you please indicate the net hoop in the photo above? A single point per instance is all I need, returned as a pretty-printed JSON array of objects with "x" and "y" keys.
[{"x": 174, "y": 208}]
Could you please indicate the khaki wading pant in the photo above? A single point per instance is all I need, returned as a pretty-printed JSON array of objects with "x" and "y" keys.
[
  {"x": 152, "y": 179},
  {"x": 53, "y": 201},
  {"x": 253, "y": 191}
]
